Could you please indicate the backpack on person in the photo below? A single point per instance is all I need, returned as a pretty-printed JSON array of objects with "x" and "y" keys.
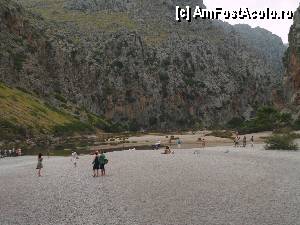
[{"x": 105, "y": 161}]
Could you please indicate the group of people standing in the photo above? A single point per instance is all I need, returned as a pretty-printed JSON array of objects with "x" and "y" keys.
[
  {"x": 10, "y": 153},
  {"x": 99, "y": 162},
  {"x": 237, "y": 140}
]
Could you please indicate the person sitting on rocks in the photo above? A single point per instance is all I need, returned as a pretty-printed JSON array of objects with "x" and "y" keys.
[{"x": 168, "y": 151}]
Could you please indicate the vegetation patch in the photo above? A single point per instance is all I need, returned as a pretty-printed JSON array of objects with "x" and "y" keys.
[
  {"x": 266, "y": 119},
  {"x": 72, "y": 128},
  {"x": 54, "y": 10},
  {"x": 221, "y": 134},
  {"x": 24, "y": 115},
  {"x": 281, "y": 142},
  {"x": 60, "y": 98}
]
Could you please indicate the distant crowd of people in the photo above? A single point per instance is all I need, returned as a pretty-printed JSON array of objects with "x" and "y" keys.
[
  {"x": 100, "y": 160},
  {"x": 10, "y": 153},
  {"x": 237, "y": 141},
  {"x": 178, "y": 143}
]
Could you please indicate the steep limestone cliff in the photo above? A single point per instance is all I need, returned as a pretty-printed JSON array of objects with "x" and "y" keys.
[
  {"x": 292, "y": 63},
  {"x": 268, "y": 45},
  {"x": 132, "y": 63}
]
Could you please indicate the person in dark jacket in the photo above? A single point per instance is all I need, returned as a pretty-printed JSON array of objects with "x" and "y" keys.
[
  {"x": 244, "y": 141},
  {"x": 96, "y": 164},
  {"x": 39, "y": 166}
]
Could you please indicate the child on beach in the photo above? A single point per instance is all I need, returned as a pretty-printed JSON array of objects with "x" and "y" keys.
[
  {"x": 102, "y": 161},
  {"x": 96, "y": 164},
  {"x": 40, "y": 164}
]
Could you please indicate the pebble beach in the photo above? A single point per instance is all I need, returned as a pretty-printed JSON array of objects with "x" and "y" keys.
[{"x": 213, "y": 186}]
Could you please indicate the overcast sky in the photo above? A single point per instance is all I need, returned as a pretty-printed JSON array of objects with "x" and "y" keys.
[{"x": 279, "y": 27}]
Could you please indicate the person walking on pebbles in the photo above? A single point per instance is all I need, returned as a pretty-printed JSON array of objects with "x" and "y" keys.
[
  {"x": 244, "y": 142},
  {"x": 178, "y": 142},
  {"x": 203, "y": 142},
  {"x": 237, "y": 141},
  {"x": 96, "y": 164},
  {"x": 102, "y": 161},
  {"x": 74, "y": 158},
  {"x": 40, "y": 164}
]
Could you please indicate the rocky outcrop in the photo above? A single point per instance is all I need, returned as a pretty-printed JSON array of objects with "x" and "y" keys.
[
  {"x": 292, "y": 63},
  {"x": 269, "y": 46},
  {"x": 151, "y": 72}
]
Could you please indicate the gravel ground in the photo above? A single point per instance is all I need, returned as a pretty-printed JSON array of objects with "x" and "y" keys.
[{"x": 219, "y": 185}]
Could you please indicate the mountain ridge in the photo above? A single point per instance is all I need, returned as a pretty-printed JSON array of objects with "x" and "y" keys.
[{"x": 138, "y": 69}]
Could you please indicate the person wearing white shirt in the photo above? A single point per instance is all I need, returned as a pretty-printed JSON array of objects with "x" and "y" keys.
[{"x": 74, "y": 158}]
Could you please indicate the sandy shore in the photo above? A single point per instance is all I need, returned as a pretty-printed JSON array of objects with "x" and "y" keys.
[
  {"x": 189, "y": 140},
  {"x": 215, "y": 186}
]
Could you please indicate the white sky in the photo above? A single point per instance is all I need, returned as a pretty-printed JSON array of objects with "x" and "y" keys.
[{"x": 278, "y": 27}]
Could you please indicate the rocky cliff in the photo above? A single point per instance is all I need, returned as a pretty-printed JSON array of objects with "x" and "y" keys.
[
  {"x": 270, "y": 47},
  {"x": 130, "y": 62},
  {"x": 292, "y": 63}
]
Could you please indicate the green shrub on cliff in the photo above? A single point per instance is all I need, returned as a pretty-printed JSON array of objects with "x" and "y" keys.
[
  {"x": 10, "y": 131},
  {"x": 71, "y": 128},
  {"x": 19, "y": 59},
  {"x": 235, "y": 123},
  {"x": 24, "y": 115},
  {"x": 296, "y": 124},
  {"x": 266, "y": 119}
]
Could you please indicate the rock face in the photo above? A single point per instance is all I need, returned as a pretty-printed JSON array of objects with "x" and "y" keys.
[
  {"x": 292, "y": 63},
  {"x": 270, "y": 47},
  {"x": 132, "y": 63}
]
